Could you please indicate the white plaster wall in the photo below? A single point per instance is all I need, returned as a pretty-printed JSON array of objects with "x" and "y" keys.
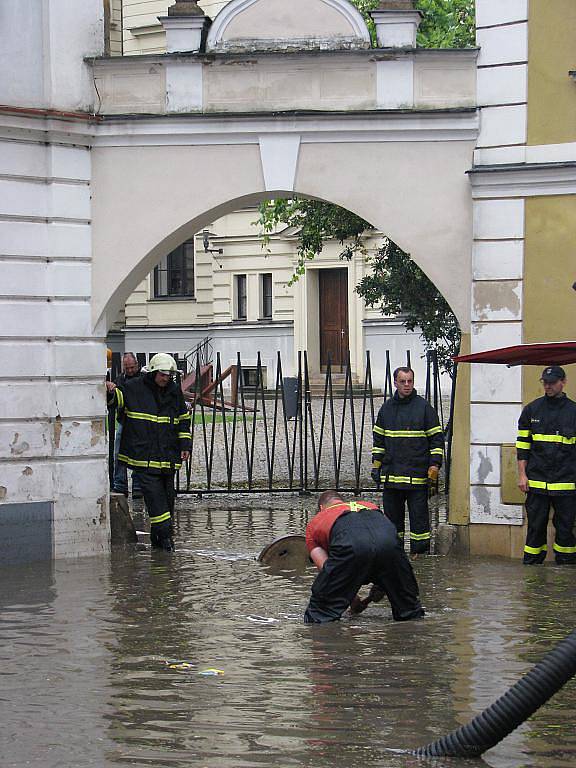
[
  {"x": 498, "y": 253},
  {"x": 43, "y": 45},
  {"x": 53, "y": 444}
]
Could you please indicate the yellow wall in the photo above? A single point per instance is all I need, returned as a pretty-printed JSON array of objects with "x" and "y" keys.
[
  {"x": 549, "y": 272},
  {"x": 551, "y": 92},
  {"x": 459, "y": 512}
]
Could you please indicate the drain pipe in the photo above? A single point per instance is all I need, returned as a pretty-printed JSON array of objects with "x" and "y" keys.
[{"x": 520, "y": 702}]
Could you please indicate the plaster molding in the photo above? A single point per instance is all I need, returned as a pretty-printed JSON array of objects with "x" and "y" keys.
[
  {"x": 235, "y": 7},
  {"x": 523, "y": 181},
  {"x": 279, "y": 156}
]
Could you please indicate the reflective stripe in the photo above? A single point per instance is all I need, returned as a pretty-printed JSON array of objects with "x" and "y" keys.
[
  {"x": 407, "y": 480},
  {"x": 433, "y": 431},
  {"x": 524, "y": 433},
  {"x": 160, "y": 518},
  {"x": 183, "y": 417},
  {"x": 404, "y": 433},
  {"x": 148, "y": 417},
  {"x": 420, "y": 536},
  {"x": 436, "y": 452},
  {"x": 378, "y": 450},
  {"x": 378, "y": 430},
  {"x": 552, "y": 486},
  {"x": 535, "y": 550},
  {"x": 400, "y": 534},
  {"x": 523, "y": 446},
  {"x": 565, "y": 550},
  {"x": 119, "y": 398},
  {"x": 554, "y": 439},
  {"x": 183, "y": 435},
  {"x": 148, "y": 464},
  {"x": 357, "y": 506}
]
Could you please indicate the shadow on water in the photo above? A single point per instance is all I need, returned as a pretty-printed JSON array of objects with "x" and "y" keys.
[{"x": 201, "y": 659}]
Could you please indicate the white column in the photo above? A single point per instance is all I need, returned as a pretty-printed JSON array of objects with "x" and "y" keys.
[{"x": 53, "y": 445}]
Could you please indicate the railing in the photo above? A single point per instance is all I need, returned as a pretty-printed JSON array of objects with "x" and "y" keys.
[{"x": 292, "y": 437}]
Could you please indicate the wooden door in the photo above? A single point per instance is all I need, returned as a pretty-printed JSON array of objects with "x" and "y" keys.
[{"x": 333, "y": 303}]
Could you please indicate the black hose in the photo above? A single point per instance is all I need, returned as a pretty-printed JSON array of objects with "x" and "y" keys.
[{"x": 495, "y": 723}]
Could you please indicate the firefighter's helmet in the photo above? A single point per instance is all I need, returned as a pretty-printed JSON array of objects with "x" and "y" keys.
[{"x": 162, "y": 363}]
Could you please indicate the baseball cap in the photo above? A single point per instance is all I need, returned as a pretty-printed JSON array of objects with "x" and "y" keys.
[{"x": 553, "y": 373}]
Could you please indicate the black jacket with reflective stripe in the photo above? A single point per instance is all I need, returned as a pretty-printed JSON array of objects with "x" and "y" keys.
[
  {"x": 408, "y": 439},
  {"x": 547, "y": 442},
  {"x": 156, "y": 424}
]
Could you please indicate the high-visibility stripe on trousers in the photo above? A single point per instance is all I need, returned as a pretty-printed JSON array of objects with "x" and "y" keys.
[
  {"x": 394, "y": 505},
  {"x": 159, "y": 495},
  {"x": 538, "y": 510}
]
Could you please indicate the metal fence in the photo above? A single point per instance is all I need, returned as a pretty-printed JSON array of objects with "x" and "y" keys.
[{"x": 295, "y": 436}]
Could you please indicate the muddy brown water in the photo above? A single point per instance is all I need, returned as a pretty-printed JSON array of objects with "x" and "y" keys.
[{"x": 106, "y": 661}]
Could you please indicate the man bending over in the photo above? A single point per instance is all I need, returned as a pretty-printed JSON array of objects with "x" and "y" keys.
[{"x": 351, "y": 544}]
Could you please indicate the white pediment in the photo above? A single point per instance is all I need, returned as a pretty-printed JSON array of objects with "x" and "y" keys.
[{"x": 244, "y": 25}]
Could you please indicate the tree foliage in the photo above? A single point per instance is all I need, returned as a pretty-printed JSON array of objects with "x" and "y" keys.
[
  {"x": 397, "y": 286},
  {"x": 446, "y": 23}
]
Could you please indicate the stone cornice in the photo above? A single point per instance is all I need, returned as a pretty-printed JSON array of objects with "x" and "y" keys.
[{"x": 523, "y": 180}]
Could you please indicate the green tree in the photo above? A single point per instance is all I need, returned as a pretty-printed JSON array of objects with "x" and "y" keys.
[
  {"x": 445, "y": 23},
  {"x": 397, "y": 286}
]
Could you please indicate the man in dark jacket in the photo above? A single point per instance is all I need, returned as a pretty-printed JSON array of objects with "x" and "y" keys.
[
  {"x": 546, "y": 453},
  {"x": 130, "y": 370},
  {"x": 351, "y": 544},
  {"x": 155, "y": 439},
  {"x": 406, "y": 458}
]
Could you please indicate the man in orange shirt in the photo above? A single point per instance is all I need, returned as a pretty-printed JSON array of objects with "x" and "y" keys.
[{"x": 351, "y": 544}]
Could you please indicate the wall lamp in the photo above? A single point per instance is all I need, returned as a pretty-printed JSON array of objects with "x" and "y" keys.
[{"x": 206, "y": 235}]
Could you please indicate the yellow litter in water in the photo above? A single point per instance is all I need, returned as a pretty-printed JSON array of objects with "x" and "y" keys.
[
  {"x": 211, "y": 671},
  {"x": 182, "y": 665}
]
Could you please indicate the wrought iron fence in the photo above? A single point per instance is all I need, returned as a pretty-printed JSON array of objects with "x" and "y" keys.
[{"x": 297, "y": 436}]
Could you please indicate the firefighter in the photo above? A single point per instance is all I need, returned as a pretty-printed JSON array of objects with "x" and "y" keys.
[
  {"x": 546, "y": 453},
  {"x": 351, "y": 544},
  {"x": 406, "y": 458},
  {"x": 155, "y": 439}
]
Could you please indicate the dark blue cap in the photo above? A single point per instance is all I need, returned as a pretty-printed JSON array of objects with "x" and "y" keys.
[{"x": 553, "y": 373}]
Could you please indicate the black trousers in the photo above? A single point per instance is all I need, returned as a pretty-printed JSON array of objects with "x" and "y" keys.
[
  {"x": 364, "y": 549},
  {"x": 159, "y": 496},
  {"x": 538, "y": 511},
  {"x": 394, "y": 505}
]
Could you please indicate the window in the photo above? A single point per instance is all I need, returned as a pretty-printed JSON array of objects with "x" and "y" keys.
[
  {"x": 241, "y": 302},
  {"x": 250, "y": 378},
  {"x": 174, "y": 276},
  {"x": 266, "y": 296}
]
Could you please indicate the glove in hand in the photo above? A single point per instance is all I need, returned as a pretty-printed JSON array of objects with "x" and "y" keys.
[{"x": 433, "y": 480}]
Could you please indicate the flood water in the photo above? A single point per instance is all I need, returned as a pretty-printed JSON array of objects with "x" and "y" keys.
[{"x": 105, "y": 661}]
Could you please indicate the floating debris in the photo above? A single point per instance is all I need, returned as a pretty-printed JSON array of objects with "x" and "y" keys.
[{"x": 211, "y": 672}]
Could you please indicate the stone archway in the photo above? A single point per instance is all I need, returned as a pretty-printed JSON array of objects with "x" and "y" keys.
[{"x": 134, "y": 154}]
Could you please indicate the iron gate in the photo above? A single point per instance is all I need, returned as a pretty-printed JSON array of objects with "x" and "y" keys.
[{"x": 296, "y": 436}]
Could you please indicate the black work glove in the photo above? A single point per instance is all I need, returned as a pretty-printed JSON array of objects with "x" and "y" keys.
[{"x": 375, "y": 475}]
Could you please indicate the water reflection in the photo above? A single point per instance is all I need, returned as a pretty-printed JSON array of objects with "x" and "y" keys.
[{"x": 103, "y": 662}]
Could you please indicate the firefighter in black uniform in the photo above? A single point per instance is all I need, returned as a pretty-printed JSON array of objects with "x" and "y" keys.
[
  {"x": 546, "y": 452},
  {"x": 155, "y": 439},
  {"x": 406, "y": 458}
]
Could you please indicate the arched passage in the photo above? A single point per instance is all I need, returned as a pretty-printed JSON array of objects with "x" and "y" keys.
[{"x": 146, "y": 200}]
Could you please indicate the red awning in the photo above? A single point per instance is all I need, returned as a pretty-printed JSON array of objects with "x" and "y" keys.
[{"x": 552, "y": 353}]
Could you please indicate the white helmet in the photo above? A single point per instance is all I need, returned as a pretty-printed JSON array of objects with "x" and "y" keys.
[{"x": 162, "y": 363}]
